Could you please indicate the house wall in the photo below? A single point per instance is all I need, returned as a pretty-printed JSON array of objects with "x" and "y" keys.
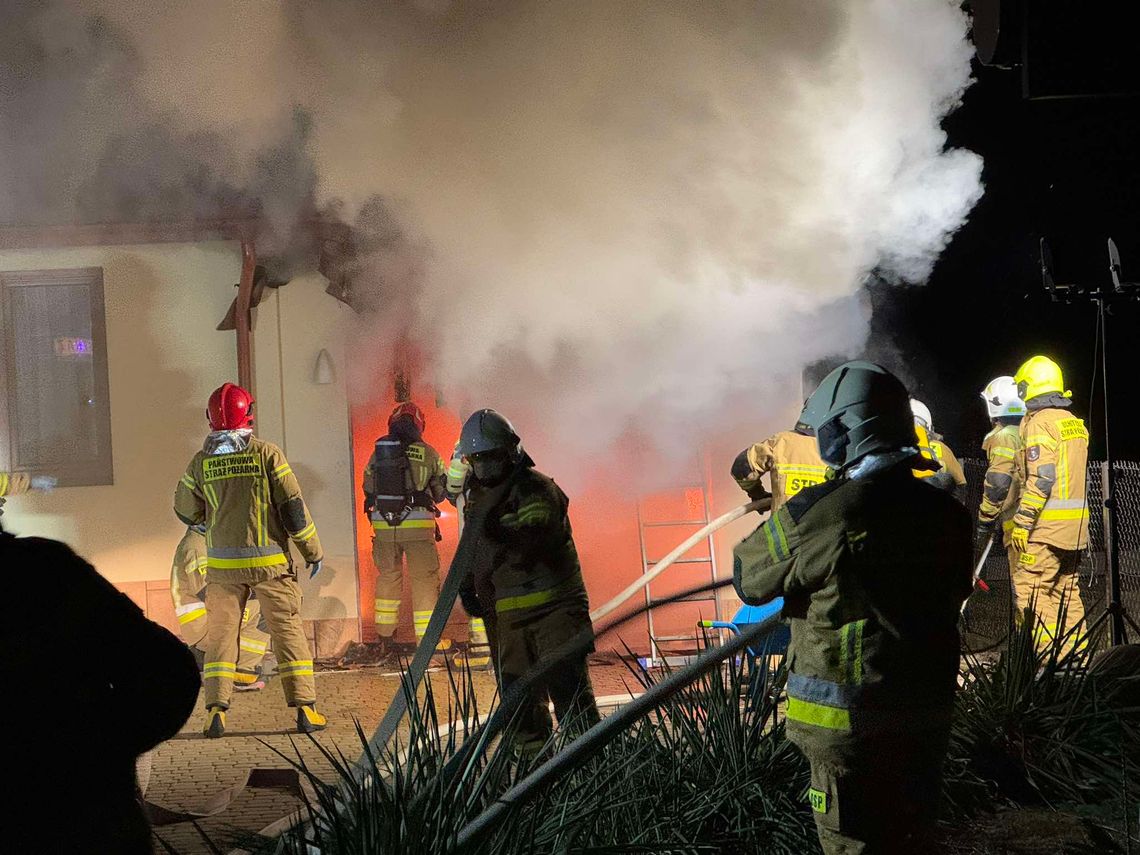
[
  {"x": 164, "y": 357},
  {"x": 163, "y": 302}
]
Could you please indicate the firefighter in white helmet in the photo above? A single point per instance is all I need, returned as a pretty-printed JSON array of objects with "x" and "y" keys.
[
  {"x": 950, "y": 477},
  {"x": 1001, "y": 491}
]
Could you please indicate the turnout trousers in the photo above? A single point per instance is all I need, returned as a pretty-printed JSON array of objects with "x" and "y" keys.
[
  {"x": 280, "y": 599},
  {"x": 422, "y": 556},
  {"x": 520, "y": 641},
  {"x": 878, "y": 795},
  {"x": 1050, "y": 574}
]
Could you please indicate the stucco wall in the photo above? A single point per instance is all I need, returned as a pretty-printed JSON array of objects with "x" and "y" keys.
[
  {"x": 164, "y": 357},
  {"x": 310, "y": 421}
]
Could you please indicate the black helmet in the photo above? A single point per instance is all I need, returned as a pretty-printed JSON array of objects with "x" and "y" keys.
[
  {"x": 858, "y": 409},
  {"x": 486, "y": 430}
]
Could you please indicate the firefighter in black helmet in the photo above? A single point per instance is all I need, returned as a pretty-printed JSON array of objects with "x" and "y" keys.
[
  {"x": 873, "y": 566},
  {"x": 526, "y": 582}
]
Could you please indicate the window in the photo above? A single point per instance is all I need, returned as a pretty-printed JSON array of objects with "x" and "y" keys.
[{"x": 55, "y": 410}]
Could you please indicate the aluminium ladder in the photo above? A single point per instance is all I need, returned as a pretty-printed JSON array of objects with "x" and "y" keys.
[{"x": 656, "y": 654}]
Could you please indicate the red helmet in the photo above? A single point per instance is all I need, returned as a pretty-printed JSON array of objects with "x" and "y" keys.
[
  {"x": 407, "y": 409},
  {"x": 230, "y": 408}
]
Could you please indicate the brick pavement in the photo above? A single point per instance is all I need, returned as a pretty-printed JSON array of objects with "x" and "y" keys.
[{"x": 189, "y": 769}]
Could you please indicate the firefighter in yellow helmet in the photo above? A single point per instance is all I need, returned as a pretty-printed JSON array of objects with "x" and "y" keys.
[
  {"x": 873, "y": 567},
  {"x": 403, "y": 482},
  {"x": 478, "y": 654},
  {"x": 188, "y": 591},
  {"x": 1051, "y": 524},
  {"x": 244, "y": 491},
  {"x": 1001, "y": 491},
  {"x": 950, "y": 477},
  {"x": 791, "y": 460}
]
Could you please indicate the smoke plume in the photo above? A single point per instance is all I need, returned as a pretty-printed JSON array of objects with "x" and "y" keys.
[{"x": 616, "y": 220}]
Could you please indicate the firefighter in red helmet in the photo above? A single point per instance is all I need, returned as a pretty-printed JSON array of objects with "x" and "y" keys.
[
  {"x": 404, "y": 481},
  {"x": 245, "y": 493}
]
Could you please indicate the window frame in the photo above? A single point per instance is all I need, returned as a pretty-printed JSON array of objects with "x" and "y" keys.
[{"x": 98, "y": 471}]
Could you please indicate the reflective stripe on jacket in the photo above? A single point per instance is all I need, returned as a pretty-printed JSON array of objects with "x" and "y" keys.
[
  {"x": 426, "y": 476},
  {"x": 1001, "y": 491},
  {"x": 792, "y": 461},
  {"x": 1052, "y": 465},
  {"x": 873, "y": 573},
  {"x": 252, "y": 506}
]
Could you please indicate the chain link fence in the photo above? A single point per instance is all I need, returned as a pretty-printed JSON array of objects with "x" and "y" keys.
[{"x": 986, "y": 621}]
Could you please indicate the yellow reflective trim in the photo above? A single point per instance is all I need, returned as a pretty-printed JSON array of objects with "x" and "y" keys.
[
  {"x": 477, "y": 625},
  {"x": 818, "y": 715},
  {"x": 1034, "y": 500},
  {"x": 283, "y": 469},
  {"x": 252, "y": 645},
  {"x": 1065, "y": 514},
  {"x": 1002, "y": 451},
  {"x": 1041, "y": 439},
  {"x": 299, "y": 668},
  {"x": 306, "y": 533},
  {"x": 525, "y": 601},
  {"x": 244, "y": 563},
  {"x": 189, "y": 482},
  {"x": 191, "y": 616},
  {"x": 380, "y": 525}
]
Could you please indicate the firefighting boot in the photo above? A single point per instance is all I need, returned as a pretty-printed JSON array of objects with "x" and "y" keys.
[
  {"x": 309, "y": 720},
  {"x": 477, "y": 657},
  {"x": 248, "y": 681},
  {"x": 215, "y": 723}
]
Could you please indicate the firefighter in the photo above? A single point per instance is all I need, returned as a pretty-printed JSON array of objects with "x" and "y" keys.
[
  {"x": 1001, "y": 492},
  {"x": 69, "y": 755},
  {"x": 477, "y": 657},
  {"x": 950, "y": 476},
  {"x": 403, "y": 482},
  {"x": 1051, "y": 524},
  {"x": 188, "y": 591},
  {"x": 527, "y": 582},
  {"x": 873, "y": 567},
  {"x": 791, "y": 460},
  {"x": 245, "y": 493}
]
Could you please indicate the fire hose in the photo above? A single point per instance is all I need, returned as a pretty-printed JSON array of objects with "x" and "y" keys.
[
  {"x": 664, "y": 564},
  {"x": 449, "y": 591}
]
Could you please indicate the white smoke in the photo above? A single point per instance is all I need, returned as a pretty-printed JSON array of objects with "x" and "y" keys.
[{"x": 635, "y": 216}]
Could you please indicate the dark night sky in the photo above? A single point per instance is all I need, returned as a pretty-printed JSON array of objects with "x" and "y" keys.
[{"x": 1062, "y": 169}]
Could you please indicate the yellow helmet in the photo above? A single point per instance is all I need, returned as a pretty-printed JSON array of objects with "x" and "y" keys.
[{"x": 1040, "y": 376}]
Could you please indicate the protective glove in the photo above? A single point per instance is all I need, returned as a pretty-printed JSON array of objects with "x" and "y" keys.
[
  {"x": 315, "y": 567},
  {"x": 44, "y": 482},
  {"x": 1019, "y": 537},
  {"x": 982, "y": 533}
]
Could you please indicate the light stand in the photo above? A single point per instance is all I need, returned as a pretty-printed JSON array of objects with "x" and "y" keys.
[{"x": 1104, "y": 297}]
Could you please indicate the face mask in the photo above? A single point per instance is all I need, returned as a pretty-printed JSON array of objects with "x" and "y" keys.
[
  {"x": 489, "y": 468},
  {"x": 832, "y": 439}
]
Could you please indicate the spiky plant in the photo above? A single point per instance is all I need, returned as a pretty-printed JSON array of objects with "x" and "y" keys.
[
  {"x": 1037, "y": 725},
  {"x": 708, "y": 771}
]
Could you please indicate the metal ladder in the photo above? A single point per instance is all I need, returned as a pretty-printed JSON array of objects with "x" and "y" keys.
[{"x": 656, "y": 654}]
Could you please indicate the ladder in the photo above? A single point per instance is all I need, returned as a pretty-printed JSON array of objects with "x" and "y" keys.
[{"x": 686, "y": 527}]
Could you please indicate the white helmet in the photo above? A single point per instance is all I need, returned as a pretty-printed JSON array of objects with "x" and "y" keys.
[
  {"x": 1002, "y": 400},
  {"x": 921, "y": 414}
]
